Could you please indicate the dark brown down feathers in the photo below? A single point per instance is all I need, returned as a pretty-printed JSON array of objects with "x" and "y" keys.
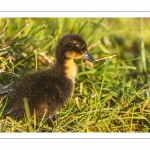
[{"x": 48, "y": 90}]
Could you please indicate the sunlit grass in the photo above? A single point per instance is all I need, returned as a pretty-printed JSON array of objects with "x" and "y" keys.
[{"x": 111, "y": 95}]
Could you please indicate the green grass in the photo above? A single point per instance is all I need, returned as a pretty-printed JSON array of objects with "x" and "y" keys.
[{"x": 111, "y": 95}]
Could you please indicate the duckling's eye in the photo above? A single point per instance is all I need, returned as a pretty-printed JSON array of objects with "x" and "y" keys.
[{"x": 79, "y": 46}]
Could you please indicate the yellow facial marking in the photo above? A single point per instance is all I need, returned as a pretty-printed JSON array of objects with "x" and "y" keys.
[{"x": 73, "y": 55}]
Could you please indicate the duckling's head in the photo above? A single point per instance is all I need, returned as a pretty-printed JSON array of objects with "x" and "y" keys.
[{"x": 72, "y": 46}]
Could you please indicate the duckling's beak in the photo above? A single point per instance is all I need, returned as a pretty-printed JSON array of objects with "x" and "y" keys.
[{"x": 88, "y": 56}]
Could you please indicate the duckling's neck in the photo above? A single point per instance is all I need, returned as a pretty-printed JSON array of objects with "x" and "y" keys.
[{"x": 70, "y": 69}]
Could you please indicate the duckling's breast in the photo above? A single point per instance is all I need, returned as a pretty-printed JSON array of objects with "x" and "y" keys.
[{"x": 71, "y": 70}]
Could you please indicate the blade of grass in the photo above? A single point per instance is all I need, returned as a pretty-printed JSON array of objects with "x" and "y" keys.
[
  {"x": 94, "y": 28},
  {"x": 28, "y": 116},
  {"x": 35, "y": 28},
  {"x": 143, "y": 55}
]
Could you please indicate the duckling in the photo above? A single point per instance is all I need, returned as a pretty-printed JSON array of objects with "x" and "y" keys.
[{"x": 47, "y": 91}]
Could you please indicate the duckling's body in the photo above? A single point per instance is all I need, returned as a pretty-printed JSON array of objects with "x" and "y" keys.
[{"x": 46, "y": 91}]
